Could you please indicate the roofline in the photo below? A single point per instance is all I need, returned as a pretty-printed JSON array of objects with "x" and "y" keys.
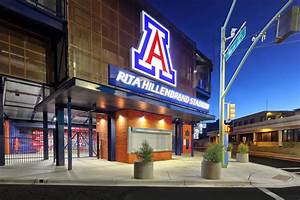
[
  {"x": 264, "y": 111},
  {"x": 204, "y": 56}
]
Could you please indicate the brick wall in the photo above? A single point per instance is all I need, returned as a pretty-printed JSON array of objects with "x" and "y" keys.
[
  {"x": 101, "y": 128},
  {"x": 137, "y": 119}
]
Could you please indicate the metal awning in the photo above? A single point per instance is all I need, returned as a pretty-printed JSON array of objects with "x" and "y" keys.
[
  {"x": 88, "y": 96},
  {"x": 21, "y": 97}
]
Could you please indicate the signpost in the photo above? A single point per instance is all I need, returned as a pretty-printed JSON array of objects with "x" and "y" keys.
[
  {"x": 236, "y": 41},
  {"x": 225, "y": 55}
]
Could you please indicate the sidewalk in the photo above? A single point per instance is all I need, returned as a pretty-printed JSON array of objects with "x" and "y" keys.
[
  {"x": 179, "y": 172},
  {"x": 275, "y": 155}
]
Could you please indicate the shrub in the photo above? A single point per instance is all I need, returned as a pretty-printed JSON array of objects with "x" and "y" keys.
[
  {"x": 230, "y": 147},
  {"x": 243, "y": 148},
  {"x": 144, "y": 153},
  {"x": 214, "y": 153}
]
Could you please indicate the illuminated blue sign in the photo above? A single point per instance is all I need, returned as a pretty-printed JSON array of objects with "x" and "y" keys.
[
  {"x": 152, "y": 57},
  {"x": 131, "y": 81}
]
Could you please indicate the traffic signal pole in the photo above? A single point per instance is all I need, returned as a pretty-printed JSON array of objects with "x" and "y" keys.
[
  {"x": 222, "y": 81},
  {"x": 223, "y": 90}
]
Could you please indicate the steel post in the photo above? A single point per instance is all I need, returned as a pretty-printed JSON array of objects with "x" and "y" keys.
[
  {"x": 59, "y": 136},
  {"x": 45, "y": 135},
  {"x": 111, "y": 134},
  {"x": 90, "y": 135},
  {"x": 69, "y": 134},
  {"x": 2, "y": 142}
]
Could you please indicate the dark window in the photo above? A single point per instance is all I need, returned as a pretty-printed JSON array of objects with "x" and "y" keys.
[
  {"x": 274, "y": 136},
  {"x": 289, "y": 135},
  {"x": 252, "y": 120},
  {"x": 235, "y": 124},
  {"x": 297, "y": 135},
  {"x": 246, "y": 122},
  {"x": 240, "y": 123},
  {"x": 51, "y": 6}
]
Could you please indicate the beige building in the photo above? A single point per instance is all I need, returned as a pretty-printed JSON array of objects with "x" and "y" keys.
[{"x": 267, "y": 128}]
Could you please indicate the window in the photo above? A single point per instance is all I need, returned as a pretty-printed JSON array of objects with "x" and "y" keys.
[
  {"x": 50, "y": 6},
  {"x": 246, "y": 122},
  {"x": 297, "y": 135},
  {"x": 289, "y": 135},
  {"x": 274, "y": 136},
  {"x": 267, "y": 137},
  {"x": 159, "y": 140},
  {"x": 252, "y": 121}
]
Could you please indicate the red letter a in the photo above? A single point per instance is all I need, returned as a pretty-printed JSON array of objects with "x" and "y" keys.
[{"x": 153, "y": 54}]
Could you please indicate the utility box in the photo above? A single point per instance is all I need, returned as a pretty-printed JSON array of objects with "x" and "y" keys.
[{"x": 287, "y": 24}]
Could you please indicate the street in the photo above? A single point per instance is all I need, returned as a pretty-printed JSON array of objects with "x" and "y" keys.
[
  {"x": 137, "y": 193},
  {"x": 290, "y": 166}
]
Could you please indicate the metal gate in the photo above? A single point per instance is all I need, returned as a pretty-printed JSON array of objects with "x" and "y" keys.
[
  {"x": 24, "y": 149},
  {"x": 80, "y": 145}
]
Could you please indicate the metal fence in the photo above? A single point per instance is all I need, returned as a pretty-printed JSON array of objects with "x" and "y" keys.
[{"x": 21, "y": 150}]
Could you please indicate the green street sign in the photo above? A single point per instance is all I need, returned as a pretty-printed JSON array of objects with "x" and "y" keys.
[{"x": 236, "y": 41}]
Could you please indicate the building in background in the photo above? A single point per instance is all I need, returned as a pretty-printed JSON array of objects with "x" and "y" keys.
[
  {"x": 267, "y": 128},
  {"x": 127, "y": 73}
]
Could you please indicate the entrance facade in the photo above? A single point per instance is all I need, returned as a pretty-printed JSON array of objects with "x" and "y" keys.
[{"x": 108, "y": 74}]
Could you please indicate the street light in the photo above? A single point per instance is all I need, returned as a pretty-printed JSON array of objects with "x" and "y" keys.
[{"x": 223, "y": 90}]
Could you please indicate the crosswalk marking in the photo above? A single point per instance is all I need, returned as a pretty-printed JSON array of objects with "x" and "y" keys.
[{"x": 271, "y": 194}]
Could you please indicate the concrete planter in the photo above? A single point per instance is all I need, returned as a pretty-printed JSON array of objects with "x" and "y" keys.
[
  {"x": 143, "y": 170},
  {"x": 242, "y": 157},
  {"x": 229, "y": 154},
  {"x": 210, "y": 170}
]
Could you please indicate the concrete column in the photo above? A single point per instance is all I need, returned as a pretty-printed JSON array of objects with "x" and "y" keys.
[
  {"x": 59, "y": 136},
  {"x": 2, "y": 139},
  {"x": 90, "y": 135},
  {"x": 254, "y": 138},
  {"x": 45, "y": 136},
  {"x": 111, "y": 137},
  {"x": 280, "y": 138}
]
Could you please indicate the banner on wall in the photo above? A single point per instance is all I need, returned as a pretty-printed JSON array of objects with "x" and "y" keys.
[{"x": 131, "y": 81}]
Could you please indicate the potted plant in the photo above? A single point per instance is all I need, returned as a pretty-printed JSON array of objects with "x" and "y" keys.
[
  {"x": 143, "y": 168},
  {"x": 243, "y": 153},
  {"x": 211, "y": 164},
  {"x": 229, "y": 150}
]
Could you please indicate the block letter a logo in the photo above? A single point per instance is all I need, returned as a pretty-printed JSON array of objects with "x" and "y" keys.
[{"x": 152, "y": 57}]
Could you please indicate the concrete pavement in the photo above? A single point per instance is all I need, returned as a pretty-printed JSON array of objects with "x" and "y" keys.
[{"x": 180, "y": 171}]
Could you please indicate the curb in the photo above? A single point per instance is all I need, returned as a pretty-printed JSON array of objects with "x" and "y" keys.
[{"x": 131, "y": 183}]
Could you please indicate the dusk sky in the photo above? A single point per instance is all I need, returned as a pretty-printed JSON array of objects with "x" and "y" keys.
[{"x": 270, "y": 77}]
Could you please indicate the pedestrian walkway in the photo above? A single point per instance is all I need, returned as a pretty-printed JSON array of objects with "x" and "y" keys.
[{"x": 180, "y": 171}]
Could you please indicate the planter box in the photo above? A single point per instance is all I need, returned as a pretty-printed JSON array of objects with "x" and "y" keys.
[
  {"x": 229, "y": 154},
  {"x": 242, "y": 157},
  {"x": 143, "y": 170},
  {"x": 210, "y": 170}
]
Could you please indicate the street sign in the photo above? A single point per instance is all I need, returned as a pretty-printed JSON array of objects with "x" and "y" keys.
[{"x": 236, "y": 41}]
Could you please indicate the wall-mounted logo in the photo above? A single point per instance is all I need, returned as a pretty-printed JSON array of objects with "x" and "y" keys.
[{"x": 152, "y": 57}]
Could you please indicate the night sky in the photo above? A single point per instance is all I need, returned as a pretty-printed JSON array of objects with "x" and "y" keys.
[{"x": 270, "y": 78}]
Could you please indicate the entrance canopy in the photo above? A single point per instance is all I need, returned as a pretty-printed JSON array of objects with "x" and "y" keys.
[{"x": 89, "y": 96}]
